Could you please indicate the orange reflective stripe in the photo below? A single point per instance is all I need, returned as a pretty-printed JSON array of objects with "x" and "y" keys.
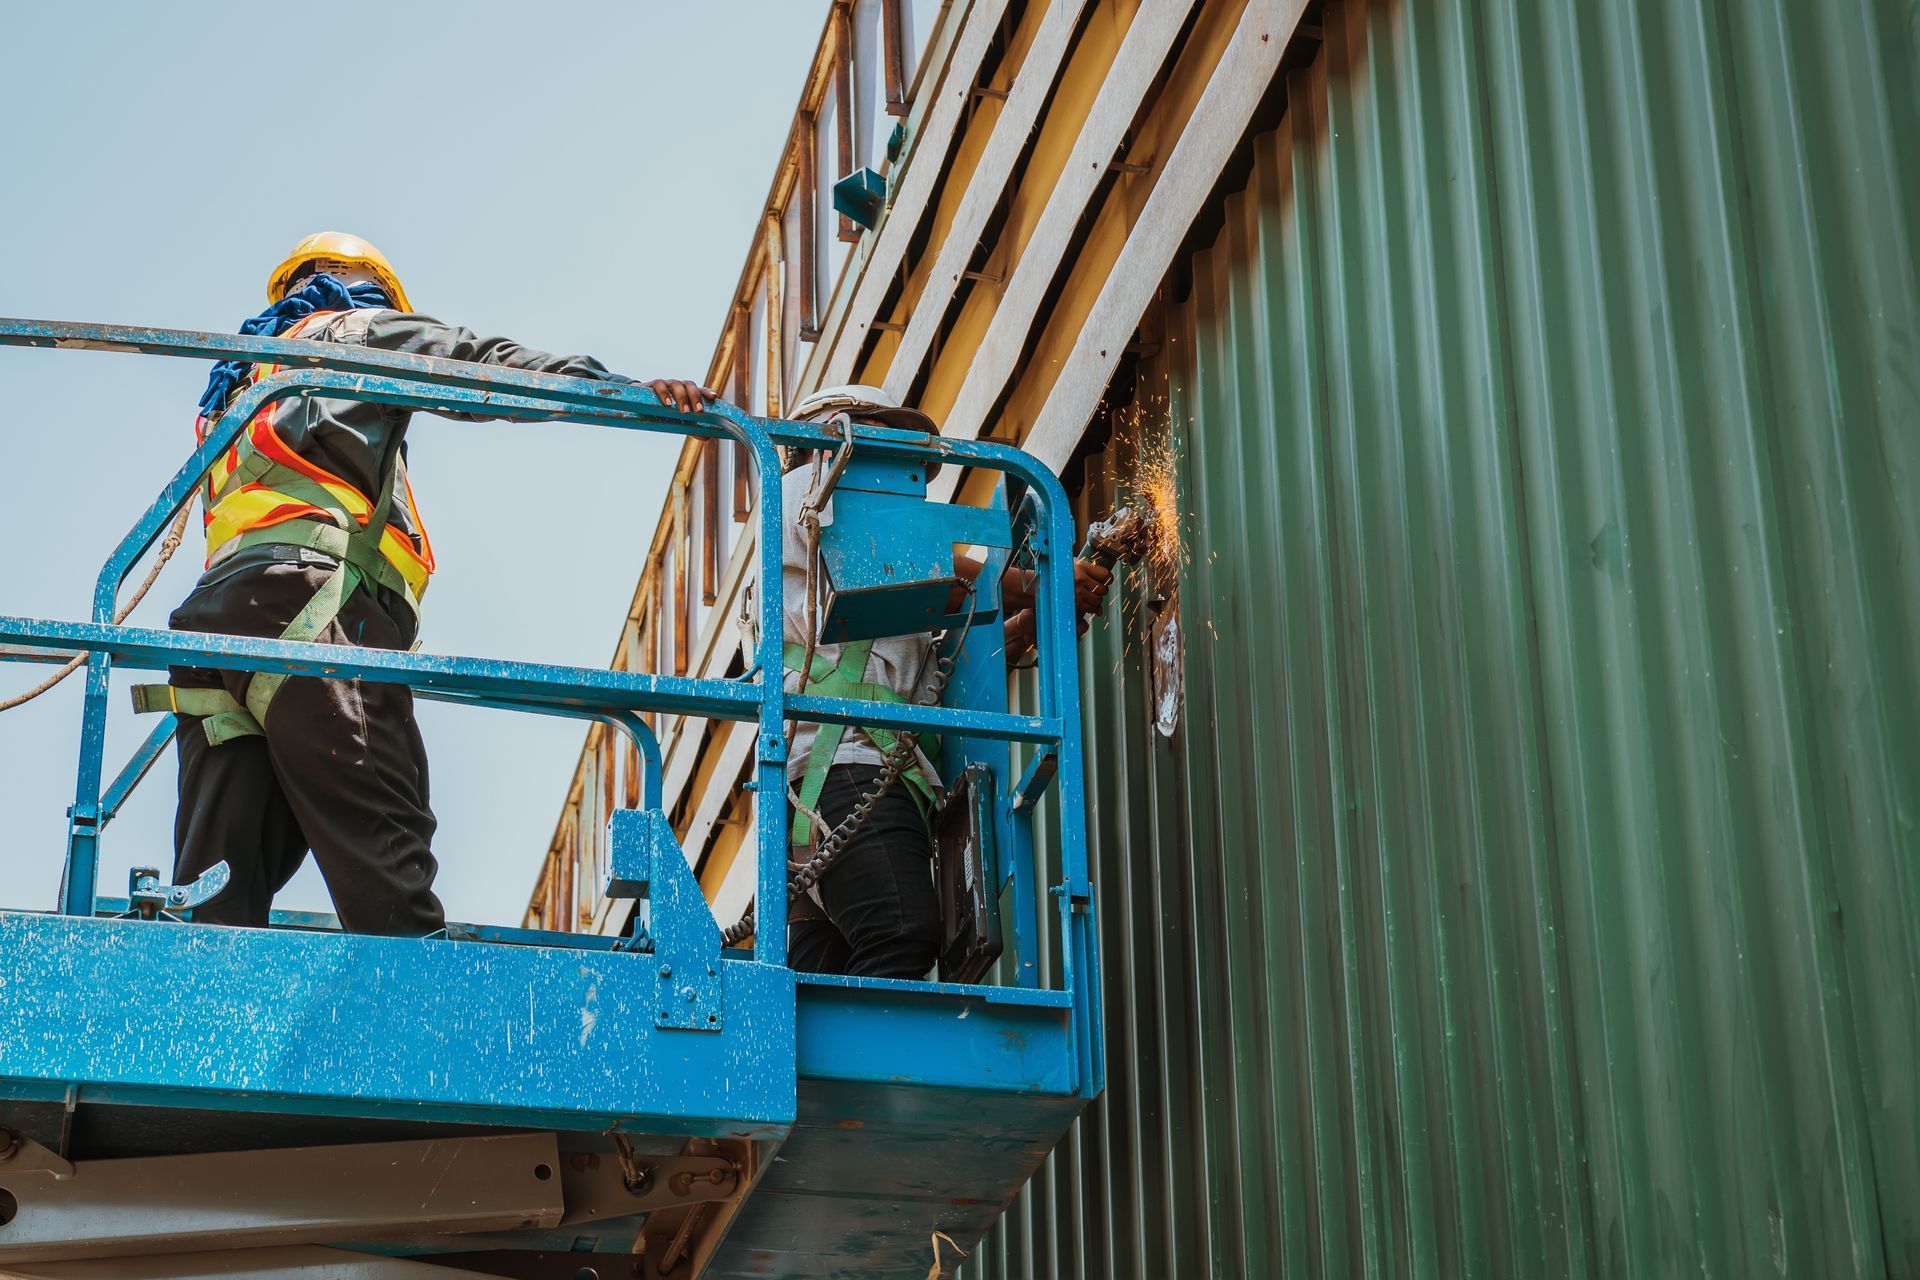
[{"x": 424, "y": 554}]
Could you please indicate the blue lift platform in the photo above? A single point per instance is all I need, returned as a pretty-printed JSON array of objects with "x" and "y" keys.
[{"x": 187, "y": 1100}]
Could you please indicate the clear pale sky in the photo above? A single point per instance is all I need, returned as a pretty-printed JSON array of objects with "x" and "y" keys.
[{"x": 580, "y": 177}]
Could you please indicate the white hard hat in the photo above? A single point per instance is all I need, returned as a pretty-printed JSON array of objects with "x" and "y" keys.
[{"x": 862, "y": 403}]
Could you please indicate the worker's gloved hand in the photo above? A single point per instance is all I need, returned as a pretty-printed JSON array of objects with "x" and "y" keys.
[
  {"x": 1090, "y": 583},
  {"x": 684, "y": 395}
]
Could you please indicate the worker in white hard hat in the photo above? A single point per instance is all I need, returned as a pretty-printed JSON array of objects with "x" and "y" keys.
[
  {"x": 313, "y": 534},
  {"x": 875, "y": 912}
]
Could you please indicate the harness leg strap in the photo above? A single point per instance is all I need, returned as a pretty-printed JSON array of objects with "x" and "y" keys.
[
  {"x": 312, "y": 619},
  {"x": 227, "y": 717}
]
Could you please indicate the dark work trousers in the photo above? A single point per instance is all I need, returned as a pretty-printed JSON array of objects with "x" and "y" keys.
[
  {"x": 341, "y": 771},
  {"x": 884, "y": 915}
]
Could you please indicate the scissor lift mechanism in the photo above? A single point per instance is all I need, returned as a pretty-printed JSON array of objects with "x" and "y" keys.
[{"x": 193, "y": 1101}]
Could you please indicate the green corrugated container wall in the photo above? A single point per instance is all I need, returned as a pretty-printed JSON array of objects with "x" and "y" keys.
[{"x": 1532, "y": 886}]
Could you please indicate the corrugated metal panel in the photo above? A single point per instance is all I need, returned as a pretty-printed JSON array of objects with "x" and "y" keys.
[{"x": 1533, "y": 885}]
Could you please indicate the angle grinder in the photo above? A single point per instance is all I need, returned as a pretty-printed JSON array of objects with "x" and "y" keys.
[{"x": 1121, "y": 536}]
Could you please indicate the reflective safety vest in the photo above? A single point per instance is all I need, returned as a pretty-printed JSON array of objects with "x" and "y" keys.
[
  {"x": 261, "y": 482},
  {"x": 263, "y": 493}
]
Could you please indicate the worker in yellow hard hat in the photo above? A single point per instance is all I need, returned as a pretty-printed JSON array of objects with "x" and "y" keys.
[
  {"x": 313, "y": 534},
  {"x": 348, "y": 259}
]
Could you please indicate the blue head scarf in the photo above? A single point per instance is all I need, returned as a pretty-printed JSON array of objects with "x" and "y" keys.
[{"x": 320, "y": 293}]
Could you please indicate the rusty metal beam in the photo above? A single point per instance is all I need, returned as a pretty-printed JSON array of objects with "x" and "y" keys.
[
  {"x": 843, "y": 88},
  {"x": 776, "y": 293},
  {"x": 807, "y": 191},
  {"x": 569, "y": 859},
  {"x": 606, "y": 771},
  {"x": 892, "y": 38},
  {"x": 657, "y": 613},
  {"x": 709, "y": 521},
  {"x": 742, "y": 396}
]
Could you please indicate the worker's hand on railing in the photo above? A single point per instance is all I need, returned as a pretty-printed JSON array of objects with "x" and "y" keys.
[{"x": 682, "y": 394}]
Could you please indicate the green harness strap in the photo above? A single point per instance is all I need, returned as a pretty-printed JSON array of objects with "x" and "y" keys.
[
  {"x": 360, "y": 560},
  {"x": 256, "y": 467},
  {"x": 842, "y": 680},
  {"x": 225, "y": 716}
]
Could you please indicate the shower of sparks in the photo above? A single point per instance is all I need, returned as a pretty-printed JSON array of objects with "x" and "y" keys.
[{"x": 1154, "y": 488}]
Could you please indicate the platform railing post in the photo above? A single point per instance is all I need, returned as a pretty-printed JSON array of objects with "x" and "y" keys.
[
  {"x": 1060, "y": 699},
  {"x": 770, "y": 754},
  {"x": 83, "y": 820},
  {"x": 81, "y": 877}
]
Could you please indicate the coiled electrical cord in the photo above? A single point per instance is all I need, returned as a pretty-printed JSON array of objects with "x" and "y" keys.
[
  {"x": 167, "y": 548},
  {"x": 892, "y": 765}
]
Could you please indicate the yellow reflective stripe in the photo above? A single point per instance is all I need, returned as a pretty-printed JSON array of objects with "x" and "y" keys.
[
  {"x": 350, "y": 499},
  {"x": 395, "y": 546},
  {"x": 240, "y": 512}
]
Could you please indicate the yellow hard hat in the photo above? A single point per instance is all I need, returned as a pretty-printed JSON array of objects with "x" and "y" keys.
[{"x": 338, "y": 246}]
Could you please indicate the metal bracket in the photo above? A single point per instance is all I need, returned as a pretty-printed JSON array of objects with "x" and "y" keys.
[
  {"x": 150, "y": 899},
  {"x": 1030, "y": 539},
  {"x": 1035, "y": 780},
  {"x": 645, "y": 1183},
  {"x": 21, "y": 1155},
  {"x": 611, "y": 1198},
  {"x": 773, "y": 749},
  {"x": 644, "y": 860}
]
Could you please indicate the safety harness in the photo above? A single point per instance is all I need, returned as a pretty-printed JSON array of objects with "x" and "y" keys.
[
  {"x": 357, "y": 548},
  {"x": 845, "y": 679},
  {"x": 248, "y": 503}
]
